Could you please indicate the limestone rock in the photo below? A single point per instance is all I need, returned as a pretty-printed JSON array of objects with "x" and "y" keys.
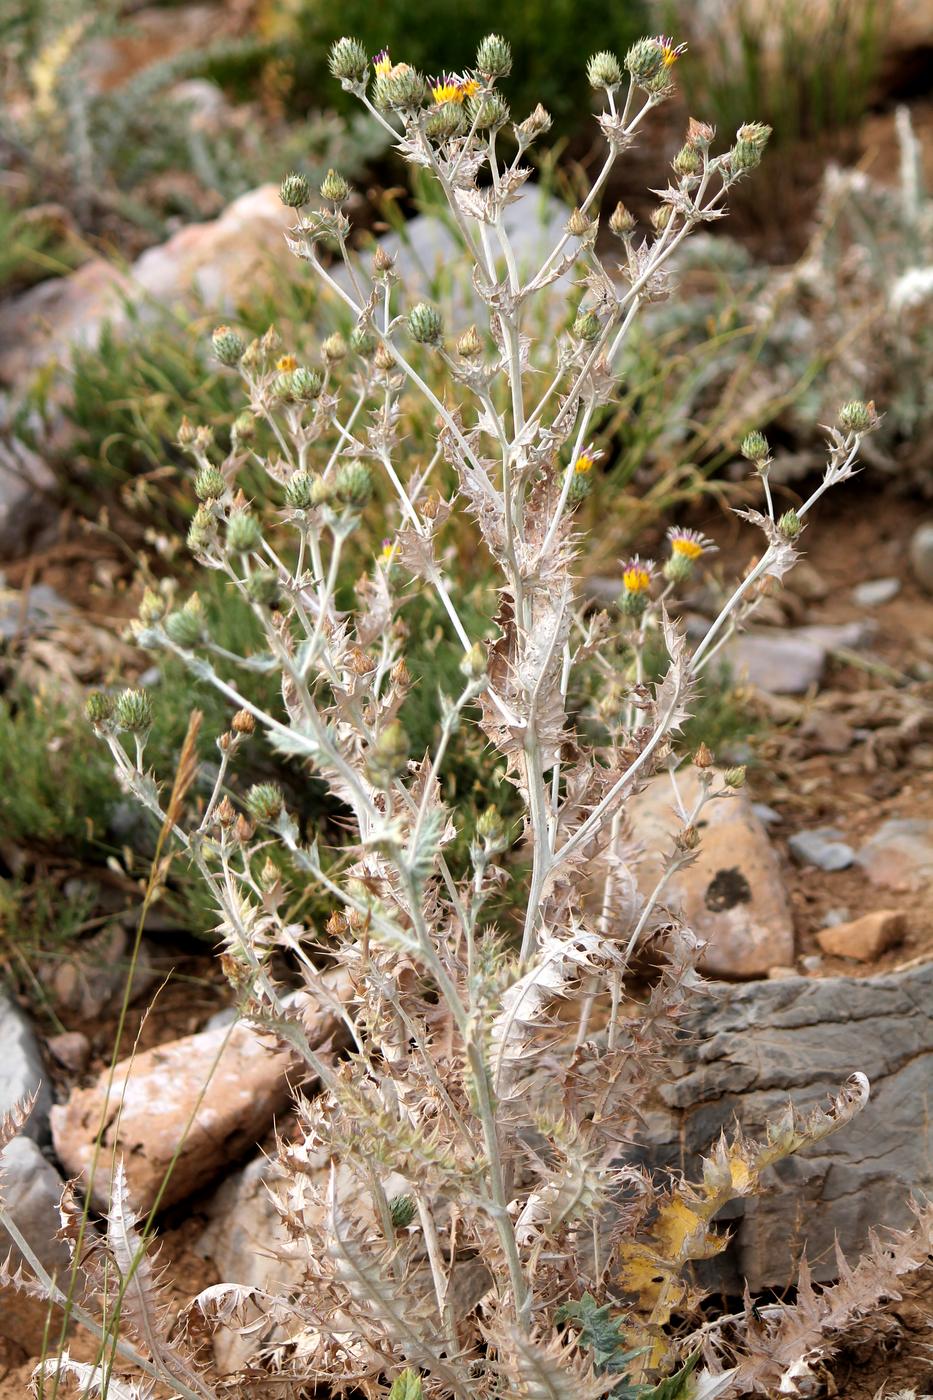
[
  {"x": 233, "y": 1079},
  {"x": 900, "y": 854},
  {"x": 732, "y": 896},
  {"x": 865, "y": 938},
  {"x": 750, "y": 1048},
  {"x": 32, "y": 1190},
  {"x": 207, "y": 262},
  {"x": 156, "y": 1094},
  {"x": 71, "y": 1050},
  {"x": 790, "y": 661},
  {"x": 23, "y": 1072}
]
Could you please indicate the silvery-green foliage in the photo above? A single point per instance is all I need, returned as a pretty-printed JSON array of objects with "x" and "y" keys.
[{"x": 476, "y": 1128}]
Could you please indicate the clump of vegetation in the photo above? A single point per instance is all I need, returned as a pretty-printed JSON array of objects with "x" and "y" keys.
[
  {"x": 525, "y": 1253},
  {"x": 806, "y": 69}
]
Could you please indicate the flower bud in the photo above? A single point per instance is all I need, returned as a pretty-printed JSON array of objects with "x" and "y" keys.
[
  {"x": 703, "y": 758},
  {"x": 334, "y": 348},
  {"x": 243, "y": 723},
  {"x": 402, "y": 1211},
  {"x": 754, "y": 447},
  {"x": 579, "y": 224},
  {"x": 305, "y": 383},
  {"x": 586, "y": 327},
  {"x": 383, "y": 262},
  {"x": 473, "y": 663},
  {"x": 621, "y": 220},
  {"x": 348, "y": 61},
  {"x": 186, "y": 431},
  {"x": 383, "y": 359},
  {"x": 534, "y": 125},
  {"x": 425, "y": 324},
  {"x": 388, "y": 755},
  {"x": 402, "y": 87},
  {"x": 446, "y": 121},
  {"x": 225, "y": 813},
  {"x": 295, "y": 190},
  {"x": 98, "y": 708},
  {"x": 735, "y": 777},
  {"x": 494, "y": 57},
  {"x": 152, "y": 607},
  {"x": 298, "y": 491},
  {"x": 491, "y": 832},
  {"x": 688, "y": 839},
  {"x": 228, "y": 345},
  {"x": 469, "y": 344},
  {"x": 488, "y": 111},
  {"x": 263, "y": 587},
  {"x": 678, "y": 568},
  {"x": 699, "y": 134},
  {"x": 604, "y": 71},
  {"x": 321, "y": 491},
  {"x": 644, "y": 61},
  {"x": 185, "y": 626},
  {"x": 750, "y": 143},
  {"x": 790, "y": 525},
  {"x": 687, "y": 161},
  {"x": 209, "y": 484},
  {"x": 661, "y": 217},
  {"x": 133, "y": 711},
  {"x": 334, "y": 187},
  {"x": 243, "y": 532},
  {"x": 857, "y": 417},
  {"x": 354, "y": 484},
  {"x": 202, "y": 531},
  {"x": 244, "y": 427},
  {"x": 264, "y": 801},
  {"x": 362, "y": 340}
]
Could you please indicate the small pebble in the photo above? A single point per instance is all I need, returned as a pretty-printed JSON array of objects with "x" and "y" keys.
[
  {"x": 921, "y": 555},
  {"x": 836, "y": 916},
  {"x": 71, "y": 1049},
  {"x": 780, "y": 973},
  {"x": 866, "y": 938},
  {"x": 224, "y": 1017},
  {"x": 876, "y": 591},
  {"x": 822, "y": 847},
  {"x": 811, "y": 963},
  {"x": 765, "y": 814}
]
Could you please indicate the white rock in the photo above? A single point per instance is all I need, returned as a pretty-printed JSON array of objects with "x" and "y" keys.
[
  {"x": 732, "y": 896},
  {"x": 876, "y": 591},
  {"x": 23, "y": 1072}
]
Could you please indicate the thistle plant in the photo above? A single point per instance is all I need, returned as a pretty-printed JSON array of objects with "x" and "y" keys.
[{"x": 481, "y": 1230}]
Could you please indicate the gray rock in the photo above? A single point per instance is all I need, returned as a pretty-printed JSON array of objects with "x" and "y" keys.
[
  {"x": 749, "y": 1048},
  {"x": 921, "y": 555},
  {"x": 26, "y": 486},
  {"x": 32, "y": 1190},
  {"x": 226, "y": 1016},
  {"x": 900, "y": 854},
  {"x": 732, "y": 896},
  {"x": 790, "y": 661},
  {"x": 43, "y": 607},
  {"x": 876, "y": 591},
  {"x": 832, "y": 917},
  {"x": 765, "y": 814},
  {"x": 822, "y": 847},
  {"x": 21, "y": 1070},
  {"x": 93, "y": 976},
  {"x": 426, "y": 247}
]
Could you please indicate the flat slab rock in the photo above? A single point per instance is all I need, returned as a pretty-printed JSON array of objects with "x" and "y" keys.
[
  {"x": 152, "y": 1099},
  {"x": 732, "y": 896},
  {"x": 750, "y": 1048}
]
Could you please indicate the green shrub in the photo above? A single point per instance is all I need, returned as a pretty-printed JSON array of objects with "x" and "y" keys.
[{"x": 551, "y": 40}]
